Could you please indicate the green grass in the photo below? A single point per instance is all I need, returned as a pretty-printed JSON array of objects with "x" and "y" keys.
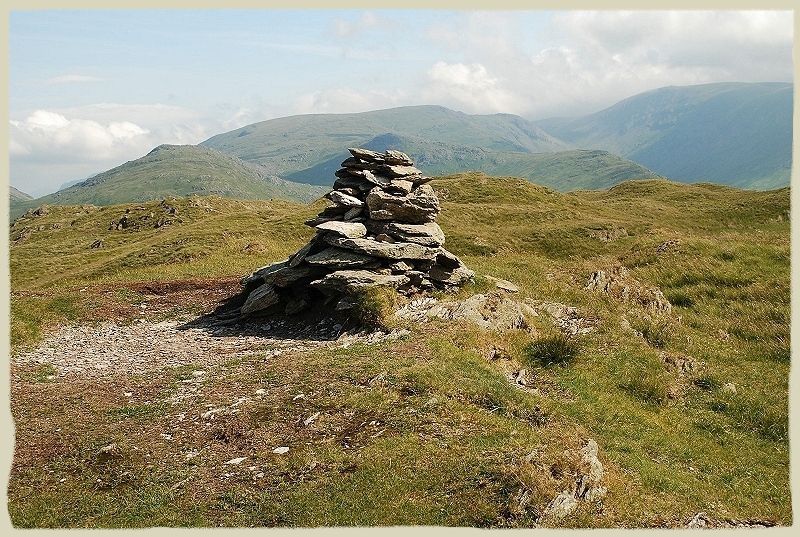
[{"x": 457, "y": 432}]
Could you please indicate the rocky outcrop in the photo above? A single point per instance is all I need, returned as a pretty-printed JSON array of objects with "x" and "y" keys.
[
  {"x": 618, "y": 283},
  {"x": 380, "y": 230}
]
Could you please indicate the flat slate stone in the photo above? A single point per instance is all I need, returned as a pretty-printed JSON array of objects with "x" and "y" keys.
[
  {"x": 365, "y": 154},
  {"x": 350, "y": 230},
  {"x": 457, "y": 276},
  {"x": 386, "y": 250},
  {"x": 392, "y": 156},
  {"x": 259, "y": 274},
  {"x": 400, "y": 170},
  {"x": 289, "y": 275},
  {"x": 261, "y": 299},
  {"x": 429, "y": 234},
  {"x": 344, "y": 200},
  {"x": 339, "y": 257},
  {"x": 346, "y": 180},
  {"x": 351, "y": 281}
]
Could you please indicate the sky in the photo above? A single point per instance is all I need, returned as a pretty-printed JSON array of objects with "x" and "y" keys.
[{"x": 89, "y": 90}]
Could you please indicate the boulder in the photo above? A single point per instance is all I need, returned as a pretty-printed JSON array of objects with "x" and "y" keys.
[
  {"x": 289, "y": 275},
  {"x": 456, "y": 276}
]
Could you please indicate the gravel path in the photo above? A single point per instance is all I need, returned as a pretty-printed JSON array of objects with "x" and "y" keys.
[{"x": 143, "y": 346}]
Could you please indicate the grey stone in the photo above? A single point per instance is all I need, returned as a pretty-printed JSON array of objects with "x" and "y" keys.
[
  {"x": 401, "y": 266},
  {"x": 447, "y": 260},
  {"x": 398, "y": 250},
  {"x": 393, "y": 156},
  {"x": 419, "y": 207},
  {"x": 346, "y": 180},
  {"x": 301, "y": 254},
  {"x": 262, "y": 298},
  {"x": 350, "y": 230},
  {"x": 351, "y": 281},
  {"x": 400, "y": 170},
  {"x": 457, "y": 276},
  {"x": 429, "y": 234},
  {"x": 338, "y": 257},
  {"x": 289, "y": 275},
  {"x": 365, "y": 154},
  {"x": 344, "y": 200},
  {"x": 400, "y": 186},
  {"x": 353, "y": 213},
  {"x": 259, "y": 274}
]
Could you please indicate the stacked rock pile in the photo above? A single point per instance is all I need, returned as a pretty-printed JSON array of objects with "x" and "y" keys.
[{"x": 381, "y": 230}]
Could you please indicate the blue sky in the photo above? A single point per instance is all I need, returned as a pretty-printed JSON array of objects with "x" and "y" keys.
[{"x": 91, "y": 89}]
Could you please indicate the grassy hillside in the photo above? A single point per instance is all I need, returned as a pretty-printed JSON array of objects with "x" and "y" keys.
[
  {"x": 170, "y": 170},
  {"x": 561, "y": 170},
  {"x": 731, "y": 133},
  {"x": 290, "y": 144},
  {"x": 459, "y": 441}
]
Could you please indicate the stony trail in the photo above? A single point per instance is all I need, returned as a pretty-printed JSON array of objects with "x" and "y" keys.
[{"x": 143, "y": 346}]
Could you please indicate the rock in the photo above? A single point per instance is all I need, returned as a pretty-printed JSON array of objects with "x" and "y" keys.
[
  {"x": 301, "y": 254},
  {"x": 447, "y": 260},
  {"x": 561, "y": 506},
  {"x": 505, "y": 285},
  {"x": 419, "y": 207},
  {"x": 366, "y": 154},
  {"x": 340, "y": 258},
  {"x": 288, "y": 275},
  {"x": 383, "y": 237},
  {"x": 429, "y": 234},
  {"x": 236, "y": 461},
  {"x": 344, "y": 200},
  {"x": 400, "y": 186},
  {"x": 490, "y": 312},
  {"x": 401, "y": 266},
  {"x": 346, "y": 180},
  {"x": 386, "y": 250},
  {"x": 280, "y": 450},
  {"x": 260, "y": 299},
  {"x": 729, "y": 387},
  {"x": 618, "y": 283},
  {"x": 457, "y": 276},
  {"x": 258, "y": 275},
  {"x": 351, "y": 281},
  {"x": 96, "y": 244},
  {"x": 396, "y": 170},
  {"x": 295, "y": 305},
  {"x": 353, "y": 213},
  {"x": 311, "y": 419},
  {"x": 588, "y": 485},
  {"x": 350, "y": 230},
  {"x": 393, "y": 156}
]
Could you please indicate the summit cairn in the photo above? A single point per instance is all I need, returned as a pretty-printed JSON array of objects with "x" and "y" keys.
[{"x": 380, "y": 230}]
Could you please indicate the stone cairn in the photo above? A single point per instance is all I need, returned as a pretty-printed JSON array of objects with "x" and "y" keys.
[{"x": 380, "y": 231}]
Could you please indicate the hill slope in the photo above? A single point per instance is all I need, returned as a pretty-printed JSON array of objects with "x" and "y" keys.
[
  {"x": 561, "y": 170},
  {"x": 730, "y": 133},
  {"x": 291, "y": 144},
  {"x": 18, "y": 195},
  {"x": 432, "y": 428},
  {"x": 170, "y": 170}
]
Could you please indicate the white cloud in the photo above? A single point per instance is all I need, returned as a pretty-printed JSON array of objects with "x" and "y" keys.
[
  {"x": 50, "y": 147},
  {"x": 470, "y": 86},
  {"x": 345, "y": 100},
  {"x": 72, "y": 79},
  {"x": 44, "y": 135},
  {"x": 583, "y": 61}
]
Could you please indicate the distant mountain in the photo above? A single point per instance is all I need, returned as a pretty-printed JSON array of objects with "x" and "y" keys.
[
  {"x": 286, "y": 146},
  {"x": 179, "y": 170},
  {"x": 738, "y": 134},
  {"x": 18, "y": 195},
  {"x": 561, "y": 170}
]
